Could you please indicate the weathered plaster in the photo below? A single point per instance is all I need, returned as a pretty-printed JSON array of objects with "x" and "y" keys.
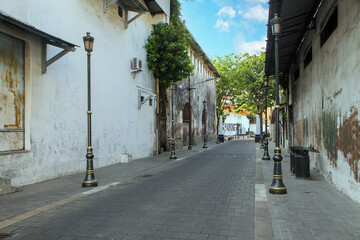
[
  {"x": 325, "y": 98},
  {"x": 56, "y": 102}
]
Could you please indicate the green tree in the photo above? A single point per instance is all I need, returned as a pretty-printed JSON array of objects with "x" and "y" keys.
[
  {"x": 242, "y": 82},
  {"x": 225, "y": 85},
  {"x": 167, "y": 49}
]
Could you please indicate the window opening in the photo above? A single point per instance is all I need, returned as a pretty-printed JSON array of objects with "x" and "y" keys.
[
  {"x": 329, "y": 27},
  {"x": 297, "y": 73},
  {"x": 308, "y": 57}
]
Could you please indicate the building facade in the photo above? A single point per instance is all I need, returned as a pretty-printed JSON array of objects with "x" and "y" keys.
[
  {"x": 321, "y": 77},
  {"x": 43, "y": 125},
  {"x": 235, "y": 124},
  {"x": 202, "y": 85}
]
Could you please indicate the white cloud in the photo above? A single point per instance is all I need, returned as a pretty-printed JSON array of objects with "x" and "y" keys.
[
  {"x": 227, "y": 11},
  {"x": 257, "y": 13},
  {"x": 242, "y": 46},
  {"x": 222, "y": 26}
]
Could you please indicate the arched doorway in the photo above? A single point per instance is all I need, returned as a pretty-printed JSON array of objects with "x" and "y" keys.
[{"x": 186, "y": 122}]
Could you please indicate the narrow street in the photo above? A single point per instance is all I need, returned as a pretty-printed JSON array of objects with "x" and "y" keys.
[
  {"x": 215, "y": 193},
  {"x": 209, "y": 195}
]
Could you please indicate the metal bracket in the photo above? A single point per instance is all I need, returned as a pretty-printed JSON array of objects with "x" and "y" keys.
[
  {"x": 106, "y": 4},
  {"x": 151, "y": 95},
  {"x": 46, "y": 63},
  {"x": 127, "y": 21}
]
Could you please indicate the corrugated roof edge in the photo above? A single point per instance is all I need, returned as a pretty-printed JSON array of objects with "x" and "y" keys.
[{"x": 29, "y": 28}]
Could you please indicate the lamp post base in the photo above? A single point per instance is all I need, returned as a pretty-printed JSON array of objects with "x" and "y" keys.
[
  {"x": 92, "y": 183},
  {"x": 172, "y": 148},
  {"x": 266, "y": 151},
  {"x": 205, "y": 142},
  {"x": 277, "y": 186},
  {"x": 89, "y": 180},
  {"x": 278, "y": 190}
]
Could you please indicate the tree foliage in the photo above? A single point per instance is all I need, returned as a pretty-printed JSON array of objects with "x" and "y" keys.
[
  {"x": 242, "y": 83},
  {"x": 167, "y": 49}
]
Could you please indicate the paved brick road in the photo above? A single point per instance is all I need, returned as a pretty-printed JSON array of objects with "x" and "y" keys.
[{"x": 207, "y": 196}]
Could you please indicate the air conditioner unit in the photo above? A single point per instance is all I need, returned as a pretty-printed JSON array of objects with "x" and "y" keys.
[{"x": 136, "y": 64}]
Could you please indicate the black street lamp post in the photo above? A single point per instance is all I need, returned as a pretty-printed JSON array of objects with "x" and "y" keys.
[
  {"x": 266, "y": 143},
  {"x": 217, "y": 126},
  {"x": 89, "y": 180},
  {"x": 277, "y": 186},
  {"x": 261, "y": 128},
  {"x": 172, "y": 154},
  {"x": 205, "y": 123}
]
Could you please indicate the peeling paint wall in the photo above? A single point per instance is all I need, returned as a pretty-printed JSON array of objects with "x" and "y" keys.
[
  {"x": 325, "y": 98},
  {"x": 202, "y": 91},
  {"x": 56, "y": 102}
]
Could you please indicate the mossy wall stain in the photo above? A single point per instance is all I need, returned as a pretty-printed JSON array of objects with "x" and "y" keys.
[
  {"x": 348, "y": 142},
  {"x": 316, "y": 132},
  {"x": 329, "y": 135},
  {"x": 300, "y": 132}
]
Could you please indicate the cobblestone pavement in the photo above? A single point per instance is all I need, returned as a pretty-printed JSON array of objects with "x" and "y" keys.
[
  {"x": 209, "y": 195},
  {"x": 217, "y": 193},
  {"x": 312, "y": 209}
]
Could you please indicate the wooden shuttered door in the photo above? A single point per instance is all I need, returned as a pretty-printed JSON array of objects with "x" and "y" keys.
[{"x": 12, "y": 93}]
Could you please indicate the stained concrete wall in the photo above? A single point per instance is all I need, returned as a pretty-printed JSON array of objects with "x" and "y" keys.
[
  {"x": 325, "y": 98},
  {"x": 56, "y": 102},
  {"x": 202, "y": 91}
]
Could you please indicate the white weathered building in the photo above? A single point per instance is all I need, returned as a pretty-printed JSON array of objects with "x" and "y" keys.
[
  {"x": 43, "y": 125},
  {"x": 203, "y": 88},
  {"x": 320, "y": 58},
  {"x": 235, "y": 124}
]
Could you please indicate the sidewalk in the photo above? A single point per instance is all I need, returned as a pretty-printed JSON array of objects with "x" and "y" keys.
[
  {"x": 312, "y": 208},
  {"x": 40, "y": 197}
]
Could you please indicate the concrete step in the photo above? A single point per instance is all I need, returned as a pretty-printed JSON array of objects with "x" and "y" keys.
[{"x": 5, "y": 186}]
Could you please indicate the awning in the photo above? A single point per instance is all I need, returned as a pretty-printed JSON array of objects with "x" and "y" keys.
[
  {"x": 134, "y": 5},
  {"x": 154, "y": 7},
  {"x": 46, "y": 39},
  {"x": 296, "y": 19},
  {"x": 139, "y": 6}
]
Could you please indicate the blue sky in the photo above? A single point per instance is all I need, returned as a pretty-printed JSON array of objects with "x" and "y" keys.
[{"x": 222, "y": 27}]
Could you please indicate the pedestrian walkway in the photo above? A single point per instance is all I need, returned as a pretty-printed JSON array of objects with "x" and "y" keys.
[{"x": 312, "y": 208}]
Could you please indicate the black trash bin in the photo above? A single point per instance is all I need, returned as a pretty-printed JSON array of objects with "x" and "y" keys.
[
  {"x": 302, "y": 164},
  {"x": 300, "y": 161},
  {"x": 294, "y": 150},
  {"x": 221, "y": 138},
  {"x": 257, "y": 138}
]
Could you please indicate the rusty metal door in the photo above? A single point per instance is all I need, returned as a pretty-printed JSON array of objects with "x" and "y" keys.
[{"x": 12, "y": 92}]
